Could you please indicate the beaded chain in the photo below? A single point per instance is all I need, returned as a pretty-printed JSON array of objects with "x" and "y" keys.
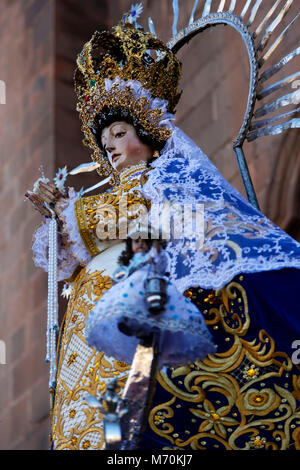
[{"x": 52, "y": 316}]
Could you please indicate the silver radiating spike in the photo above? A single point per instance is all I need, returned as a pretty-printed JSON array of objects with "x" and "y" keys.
[
  {"x": 151, "y": 27},
  {"x": 206, "y": 9},
  {"x": 275, "y": 68},
  {"x": 176, "y": 15},
  {"x": 264, "y": 122},
  {"x": 245, "y": 9},
  {"x": 193, "y": 12},
  {"x": 277, "y": 86},
  {"x": 253, "y": 12},
  {"x": 277, "y": 42},
  {"x": 266, "y": 18},
  {"x": 286, "y": 100},
  {"x": 273, "y": 130},
  {"x": 222, "y": 4},
  {"x": 232, "y": 5},
  {"x": 274, "y": 25}
]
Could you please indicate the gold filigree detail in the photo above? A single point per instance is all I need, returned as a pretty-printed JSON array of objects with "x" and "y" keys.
[
  {"x": 72, "y": 359},
  {"x": 109, "y": 215},
  {"x": 167, "y": 412},
  {"x": 76, "y": 426},
  {"x": 232, "y": 393},
  {"x": 84, "y": 228},
  {"x": 124, "y": 53}
]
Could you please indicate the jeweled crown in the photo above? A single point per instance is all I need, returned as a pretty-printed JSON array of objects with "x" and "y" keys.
[{"x": 127, "y": 54}]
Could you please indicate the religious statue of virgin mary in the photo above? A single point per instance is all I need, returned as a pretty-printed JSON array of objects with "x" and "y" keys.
[{"x": 226, "y": 379}]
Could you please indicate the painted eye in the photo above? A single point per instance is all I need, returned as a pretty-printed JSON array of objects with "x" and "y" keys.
[{"x": 120, "y": 134}]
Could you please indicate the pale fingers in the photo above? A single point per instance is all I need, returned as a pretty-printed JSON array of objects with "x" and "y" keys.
[
  {"x": 41, "y": 199},
  {"x": 51, "y": 189},
  {"x": 51, "y": 196},
  {"x": 44, "y": 198},
  {"x": 34, "y": 198},
  {"x": 46, "y": 193},
  {"x": 38, "y": 204}
]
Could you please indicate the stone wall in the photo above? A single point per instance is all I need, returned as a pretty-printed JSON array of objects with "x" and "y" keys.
[
  {"x": 39, "y": 43},
  {"x": 27, "y": 141}
]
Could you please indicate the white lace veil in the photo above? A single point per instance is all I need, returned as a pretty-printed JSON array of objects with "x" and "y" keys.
[
  {"x": 236, "y": 237},
  {"x": 232, "y": 236}
]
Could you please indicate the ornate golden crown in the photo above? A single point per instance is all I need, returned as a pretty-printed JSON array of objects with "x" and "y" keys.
[{"x": 124, "y": 56}]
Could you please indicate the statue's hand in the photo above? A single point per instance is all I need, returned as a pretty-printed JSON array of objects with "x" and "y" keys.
[{"x": 48, "y": 195}]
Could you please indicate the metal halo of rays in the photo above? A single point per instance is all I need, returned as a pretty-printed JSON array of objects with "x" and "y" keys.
[
  {"x": 214, "y": 12},
  {"x": 225, "y": 18}
]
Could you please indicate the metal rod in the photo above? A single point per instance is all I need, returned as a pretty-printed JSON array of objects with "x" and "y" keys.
[
  {"x": 232, "y": 5},
  {"x": 206, "y": 9},
  {"x": 244, "y": 170},
  {"x": 286, "y": 100},
  {"x": 193, "y": 12},
  {"x": 138, "y": 391},
  {"x": 262, "y": 123},
  {"x": 253, "y": 12},
  {"x": 265, "y": 39},
  {"x": 151, "y": 27},
  {"x": 266, "y": 18},
  {"x": 277, "y": 42},
  {"x": 273, "y": 130},
  {"x": 277, "y": 86},
  {"x": 176, "y": 14},
  {"x": 245, "y": 9},
  {"x": 222, "y": 5},
  {"x": 275, "y": 68}
]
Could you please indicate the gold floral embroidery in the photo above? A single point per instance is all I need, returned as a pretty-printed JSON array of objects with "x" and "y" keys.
[
  {"x": 250, "y": 372},
  {"x": 243, "y": 397},
  {"x": 72, "y": 359},
  {"x": 86, "y": 444},
  {"x": 76, "y": 426},
  {"x": 81, "y": 369},
  {"x": 105, "y": 213},
  {"x": 232, "y": 398},
  {"x": 257, "y": 442}
]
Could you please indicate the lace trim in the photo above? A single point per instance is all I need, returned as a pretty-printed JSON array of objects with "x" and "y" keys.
[
  {"x": 40, "y": 244},
  {"x": 237, "y": 237},
  {"x": 133, "y": 171},
  {"x": 78, "y": 249},
  {"x": 173, "y": 349},
  {"x": 68, "y": 256},
  {"x": 180, "y": 339},
  {"x": 194, "y": 326}
]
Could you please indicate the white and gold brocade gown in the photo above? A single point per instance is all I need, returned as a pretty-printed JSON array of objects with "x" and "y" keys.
[
  {"x": 82, "y": 370},
  {"x": 246, "y": 396}
]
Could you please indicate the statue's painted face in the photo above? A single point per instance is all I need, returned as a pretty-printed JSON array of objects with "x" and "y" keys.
[
  {"x": 123, "y": 146},
  {"x": 139, "y": 245}
]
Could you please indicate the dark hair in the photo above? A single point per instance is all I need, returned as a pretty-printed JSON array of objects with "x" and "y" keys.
[
  {"x": 109, "y": 115},
  {"x": 127, "y": 254}
]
